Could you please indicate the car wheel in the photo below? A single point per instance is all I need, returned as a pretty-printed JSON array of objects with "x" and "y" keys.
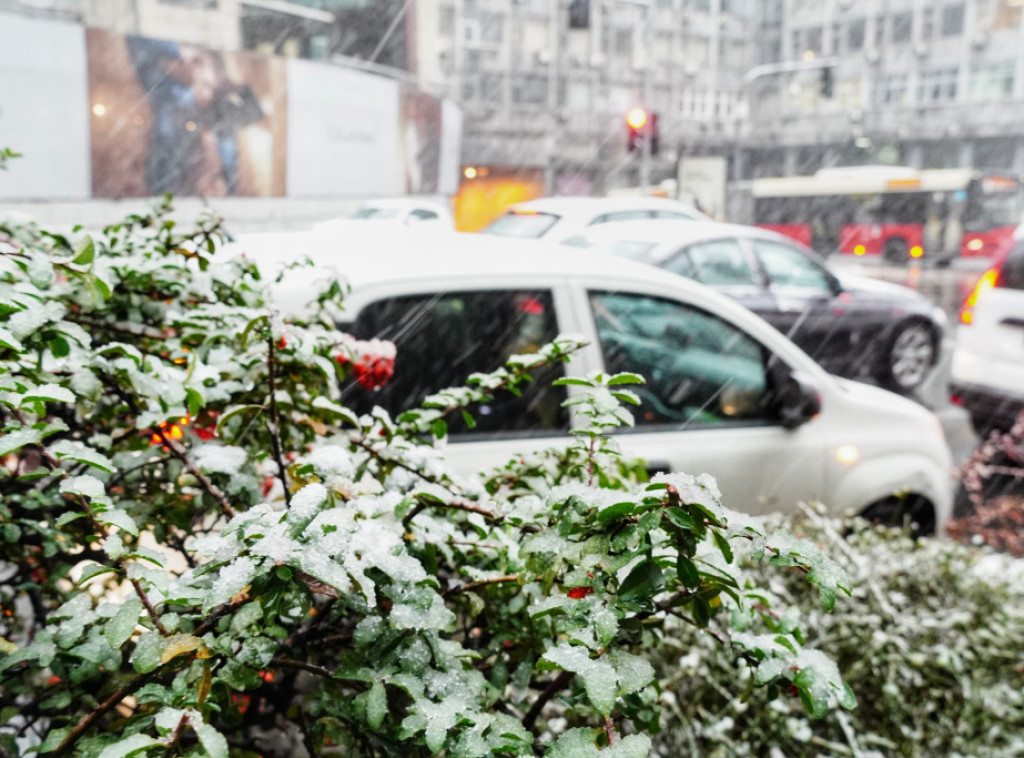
[
  {"x": 909, "y": 357},
  {"x": 896, "y": 250},
  {"x": 912, "y": 512}
]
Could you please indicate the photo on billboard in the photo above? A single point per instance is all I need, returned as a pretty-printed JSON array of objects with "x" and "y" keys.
[
  {"x": 181, "y": 118},
  {"x": 43, "y": 107}
]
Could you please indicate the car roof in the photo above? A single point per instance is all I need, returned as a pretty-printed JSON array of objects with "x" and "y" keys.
[
  {"x": 593, "y": 206},
  {"x": 668, "y": 234}
]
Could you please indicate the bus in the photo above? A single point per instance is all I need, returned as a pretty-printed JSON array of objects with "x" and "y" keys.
[{"x": 893, "y": 213}]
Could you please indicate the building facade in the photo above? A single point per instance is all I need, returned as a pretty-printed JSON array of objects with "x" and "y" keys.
[
  {"x": 545, "y": 85},
  {"x": 926, "y": 83}
]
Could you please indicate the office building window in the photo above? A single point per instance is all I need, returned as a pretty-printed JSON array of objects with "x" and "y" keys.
[
  {"x": 902, "y": 23},
  {"x": 937, "y": 86},
  {"x": 952, "y": 20},
  {"x": 992, "y": 81},
  {"x": 891, "y": 90},
  {"x": 855, "y": 34}
]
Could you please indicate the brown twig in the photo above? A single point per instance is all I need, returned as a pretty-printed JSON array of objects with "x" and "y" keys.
[
  {"x": 275, "y": 419},
  {"x": 557, "y": 684},
  {"x": 482, "y": 583}
]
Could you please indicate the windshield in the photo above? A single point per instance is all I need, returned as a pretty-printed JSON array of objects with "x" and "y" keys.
[{"x": 525, "y": 225}]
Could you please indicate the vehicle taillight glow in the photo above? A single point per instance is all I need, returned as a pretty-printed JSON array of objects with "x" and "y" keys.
[
  {"x": 987, "y": 281},
  {"x": 916, "y": 251},
  {"x": 524, "y": 212}
]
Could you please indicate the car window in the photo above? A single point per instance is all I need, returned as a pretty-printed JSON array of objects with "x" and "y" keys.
[
  {"x": 635, "y": 249},
  {"x": 443, "y": 338},
  {"x": 699, "y": 368},
  {"x": 522, "y": 224},
  {"x": 605, "y": 218},
  {"x": 375, "y": 213},
  {"x": 676, "y": 215},
  {"x": 423, "y": 215},
  {"x": 786, "y": 266},
  {"x": 718, "y": 262},
  {"x": 1012, "y": 275}
]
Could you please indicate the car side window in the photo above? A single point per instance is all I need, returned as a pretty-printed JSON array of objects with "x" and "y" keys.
[
  {"x": 786, "y": 266},
  {"x": 675, "y": 215},
  {"x": 423, "y": 215},
  {"x": 443, "y": 338},
  {"x": 605, "y": 218},
  {"x": 698, "y": 368},
  {"x": 719, "y": 262}
]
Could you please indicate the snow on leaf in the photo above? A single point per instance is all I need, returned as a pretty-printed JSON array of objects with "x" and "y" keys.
[
  {"x": 633, "y": 671},
  {"x": 17, "y": 439},
  {"x": 9, "y": 341},
  {"x": 599, "y": 679},
  {"x": 129, "y": 746},
  {"x": 219, "y": 459},
  {"x": 120, "y": 627},
  {"x": 376, "y": 705},
  {"x": 81, "y": 453},
  {"x": 50, "y": 393},
  {"x": 213, "y": 742},
  {"x": 120, "y": 519}
]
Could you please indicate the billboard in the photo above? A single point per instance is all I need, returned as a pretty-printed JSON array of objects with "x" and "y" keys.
[
  {"x": 343, "y": 132},
  {"x": 43, "y": 109},
  {"x": 184, "y": 119},
  {"x": 702, "y": 182}
]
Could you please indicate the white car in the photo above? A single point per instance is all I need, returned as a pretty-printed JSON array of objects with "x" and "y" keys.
[
  {"x": 396, "y": 211},
  {"x": 556, "y": 218},
  {"x": 987, "y": 375},
  {"x": 726, "y": 393}
]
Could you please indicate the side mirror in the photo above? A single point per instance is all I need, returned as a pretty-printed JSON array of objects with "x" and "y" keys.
[{"x": 797, "y": 400}]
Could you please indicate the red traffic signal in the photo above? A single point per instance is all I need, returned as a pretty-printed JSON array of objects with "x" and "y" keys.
[{"x": 642, "y": 126}]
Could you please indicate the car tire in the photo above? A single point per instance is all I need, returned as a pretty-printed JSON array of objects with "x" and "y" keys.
[
  {"x": 908, "y": 357},
  {"x": 913, "y": 512},
  {"x": 896, "y": 251}
]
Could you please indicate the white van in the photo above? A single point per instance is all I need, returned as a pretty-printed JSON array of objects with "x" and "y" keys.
[{"x": 726, "y": 393}]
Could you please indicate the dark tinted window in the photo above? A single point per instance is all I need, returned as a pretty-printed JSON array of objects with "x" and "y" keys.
[
  {"x": 1012, "y": 275},
  {"x": 423, "y": 215},
  {"x": 442, "y": 339},
  {"x": 699, "y": 369},
  {"x": 524, "y": 224}
]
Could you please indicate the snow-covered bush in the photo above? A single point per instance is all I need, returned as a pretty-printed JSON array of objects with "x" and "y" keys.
[
  {"x": 930, "y": 644},
  {"x": 204, "y": 553}
]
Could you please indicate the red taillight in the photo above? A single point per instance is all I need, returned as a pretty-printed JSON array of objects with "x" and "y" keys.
[{"x": 987, "y": 281}]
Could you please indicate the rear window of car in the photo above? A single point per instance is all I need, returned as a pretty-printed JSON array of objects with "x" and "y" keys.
[{"x": 522, "y": 224}]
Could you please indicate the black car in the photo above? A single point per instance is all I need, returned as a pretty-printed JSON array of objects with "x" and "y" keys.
[{"x": 853, "y": 326}]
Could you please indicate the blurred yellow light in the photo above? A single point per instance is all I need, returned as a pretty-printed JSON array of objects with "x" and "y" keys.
[
  {"x": 469, "y": 173},
  {"x": 859, "y": 250},
  {"x": 99, "y": 109},
  {"x": 975, "y": 244},
  {"x": 809, "y": 55},
  {"x": 636, "y": 118},
  {"x": 916, "y": 251},
  {"x": 848, "y": 454}
]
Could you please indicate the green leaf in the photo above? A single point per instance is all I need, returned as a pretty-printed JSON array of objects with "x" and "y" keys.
[
  {"x": 148, "y": 650},
  {"x": 376, "y": 705},
  {"x": 60, "y": 347},
  {"x": 53, "y": 739},
  {"x": 468, "y": 419},
  {"x": 9, "y": 341},
  {"x": 723, "y": 545},
  {"x": 84, "y": 252},
  {"x": 120, "y": 519},
  {"x": 120, "y": 627},
  {"x": 615, "y": 511},
  {"x": 646, "y": 579},
  {"x": 687, "y": 572},
  {"x": 439, "y": 428},
  {"x": 572, "y": 380},
  {"x": 93, "y": 570},
  {"x": 234, "y": 411},
  {"x": 194, "y": 402},
  {"x": 213, "y": 742},
  {"x": 626, "y": 378}
]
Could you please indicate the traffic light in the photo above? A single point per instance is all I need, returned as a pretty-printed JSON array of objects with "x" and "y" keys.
[
  {"x": 826, "y": 82},
  {"x": 642, "y": 126}
]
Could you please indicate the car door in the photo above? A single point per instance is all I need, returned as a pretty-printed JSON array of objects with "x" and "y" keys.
[
  {"x": 807, "y": 306},
  {"x": 708, "y": 403},
  {"x": 725, "y": 265}
]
